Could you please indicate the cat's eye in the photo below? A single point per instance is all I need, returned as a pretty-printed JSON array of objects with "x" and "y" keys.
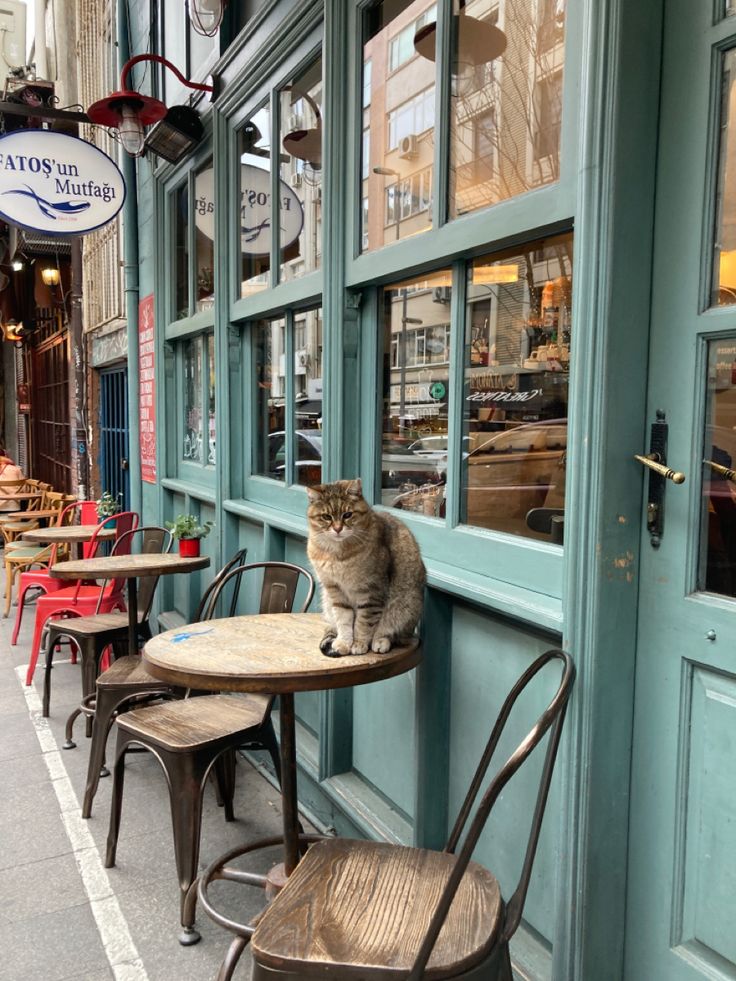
[
  {"x": 347, "y": 516},
  {"x": 326, "y": 517}
]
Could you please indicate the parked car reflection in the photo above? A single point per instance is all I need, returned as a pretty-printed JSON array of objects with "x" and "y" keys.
[{"x": 308, "y": 456}]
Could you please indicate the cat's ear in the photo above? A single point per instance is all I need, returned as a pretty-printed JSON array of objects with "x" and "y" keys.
[
  {"x": 315, "y": 493},
  {"x": 354, "y": 488}
]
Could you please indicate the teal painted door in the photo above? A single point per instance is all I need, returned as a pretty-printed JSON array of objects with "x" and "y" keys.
[{"x": 681, "y": 908}]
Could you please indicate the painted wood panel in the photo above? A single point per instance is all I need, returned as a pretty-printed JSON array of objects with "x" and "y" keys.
[
  {"x": 708, "y": 829},
  {"x": 488, "y": 656}
]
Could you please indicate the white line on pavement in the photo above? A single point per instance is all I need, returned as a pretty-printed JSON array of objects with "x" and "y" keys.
[{"x": 112, "y": 926}]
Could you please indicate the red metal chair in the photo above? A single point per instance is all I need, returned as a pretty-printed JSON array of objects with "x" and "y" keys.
[
  {"x": 39, "y": 578},
  {"x": 80, "y": 599}
]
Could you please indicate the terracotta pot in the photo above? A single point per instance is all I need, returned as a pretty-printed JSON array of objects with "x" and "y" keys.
[{"x": 189, "y": 548}]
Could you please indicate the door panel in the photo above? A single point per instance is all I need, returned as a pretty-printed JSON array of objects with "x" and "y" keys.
[
  {"x": 681, "y": 900},
  {"x": 114, "y": 449}
]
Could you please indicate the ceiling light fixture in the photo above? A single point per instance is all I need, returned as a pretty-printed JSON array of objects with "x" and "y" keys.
[
  {"x": 478, "y": 42},
  {"x": 129, "y": 111},
  {"x": 206, "y": 16}
]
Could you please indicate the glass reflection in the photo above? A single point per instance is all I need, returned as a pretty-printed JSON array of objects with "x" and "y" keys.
[
  {"x": 308, "y": 397},
  {"x": 718, "y": 525},
  {"x": 398, "y": 124},
  {"x": 300, "y": 201},
  {"x": 517, "y": 359},
  {"x": 416, "y": 357},
  {"x": 724, "y": 264},
  {"x": 181, "y": 252},
  {"x": 204, "y": 220},
  {"x": 506, "y": 99},
  {"x": 270, "y": 430},
  {"x": 254, "y": 153},
  {"x": 193, "y": 416},
  {"x": 211, "y": 442}
]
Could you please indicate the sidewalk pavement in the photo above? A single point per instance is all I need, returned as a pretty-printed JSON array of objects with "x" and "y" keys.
[{"x": 63, "y": 916}]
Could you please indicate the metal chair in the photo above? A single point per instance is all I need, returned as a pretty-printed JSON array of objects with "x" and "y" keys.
[
  {"x": 192, "y": 737},
  {"x": 370, "y": 910},
  {"x": 126, "y": 684},
  {"x": 81, "y": 599},
  {"x": 93, "y": 634}
]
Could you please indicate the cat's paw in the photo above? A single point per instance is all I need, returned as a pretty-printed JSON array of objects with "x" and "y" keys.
[
  {"x": 325, "y": 645},
  {"x": 381, "y": 645},
  {"x": 359, "y": 647},
  {"x": 340, "y": 648}
]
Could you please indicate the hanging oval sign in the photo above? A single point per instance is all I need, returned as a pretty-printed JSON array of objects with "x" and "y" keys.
[
  {"x": 55, "y": 183},
  {"x": 255, "y": 210}
]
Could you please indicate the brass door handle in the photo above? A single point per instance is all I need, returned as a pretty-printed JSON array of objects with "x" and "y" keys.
[
  {"x": 654, "y": 462},
  {"x": 723, "y": 471}
]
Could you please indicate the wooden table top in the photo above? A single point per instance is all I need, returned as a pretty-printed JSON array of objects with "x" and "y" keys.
[
  {"x": 73, "y": 534},
  {"x": 266, "y": 652},
  {"x": 127, "y": 566},
  {"x": 39, "y": 513}
]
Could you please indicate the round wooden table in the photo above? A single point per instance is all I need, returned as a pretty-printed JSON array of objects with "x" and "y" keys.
[
  {"x": 276, "y": 653},
  {"x": 70, "y": 534},
  {"x": 130, "y": 567}
]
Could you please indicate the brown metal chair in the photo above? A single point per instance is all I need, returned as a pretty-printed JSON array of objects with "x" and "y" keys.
[
  {"x": 92, "y": 634},
  {"x": 370, "y": 910},
  {"x": 195, "y": 736},
  {"x": 127, "y": 684}
]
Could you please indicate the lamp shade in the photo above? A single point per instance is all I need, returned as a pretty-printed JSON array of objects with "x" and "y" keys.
[
  {"x": 206, "y": 16},
  {"x": 128, "y": 112},
  {"x": 51, "y": 276},
  {"x": 12, "y": 330},
  {"x": 305, "y": 144},
  {"x": 477, "y": 41}
]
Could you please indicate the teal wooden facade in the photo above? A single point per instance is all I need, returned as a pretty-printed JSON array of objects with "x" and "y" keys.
[{"x": 635, "y": 876}]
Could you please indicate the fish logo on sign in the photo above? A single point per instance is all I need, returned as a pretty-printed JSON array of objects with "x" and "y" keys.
[{"x": 47, "y": 208}]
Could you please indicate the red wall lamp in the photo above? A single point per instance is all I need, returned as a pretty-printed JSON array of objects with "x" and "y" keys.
[{"x": 130, "y": 112}]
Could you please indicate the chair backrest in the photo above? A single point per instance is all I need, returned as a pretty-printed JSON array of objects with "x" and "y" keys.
[
  {"x": 237, "y": 559},
  {"x": 278, "y": 590},
  {"x": 147, "y": 540},
  {"x": 550, "y": 720},
  {"x": 123, "y": 521}
]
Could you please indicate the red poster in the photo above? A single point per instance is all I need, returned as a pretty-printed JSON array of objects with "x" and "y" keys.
[{"x": 147, "y": 389}]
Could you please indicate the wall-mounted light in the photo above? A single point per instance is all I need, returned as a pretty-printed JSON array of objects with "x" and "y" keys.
[
  {"x": 174, "y": 136},
  {"x": 478, "y": 42},
  {"x": 206, "y": 16},
  {"x": 51, "y": 276},
  {"x": 17, "y": 265},
  {"x": 13, "y": 331},
  {"x": 129, "y": 111},
  {"x": 306, "y": 144}
]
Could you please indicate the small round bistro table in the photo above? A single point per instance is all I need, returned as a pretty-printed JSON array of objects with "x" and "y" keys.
[
  {"x": 130, "y": 567},
  {"x": 277, "y": 654}
]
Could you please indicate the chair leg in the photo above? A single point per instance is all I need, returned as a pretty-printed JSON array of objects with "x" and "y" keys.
[
  {"x": 49, "y": 650},
  {"x": 35, "y": 645},
  {"x": 234, "y": 951},
  {"x": 267, "y": 738},
  {"x": 225, "y": 782},
  {"x": 10, "y": 573},
  {"x": 18, "y": 613},
  {"x": 116, "y": 806},
  {"x": 106, "y": 705}
]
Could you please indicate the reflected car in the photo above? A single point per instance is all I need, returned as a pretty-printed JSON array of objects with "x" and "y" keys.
[{"x": 308, "y": 462}]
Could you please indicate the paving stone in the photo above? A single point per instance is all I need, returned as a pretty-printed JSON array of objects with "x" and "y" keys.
[
  {"x": 52, "y": 947},
  {"x": 43, "y": 886}
]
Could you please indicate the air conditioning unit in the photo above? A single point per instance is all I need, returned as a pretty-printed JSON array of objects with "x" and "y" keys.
[
  {"x": 408, "y": 147},
  {"x": 296, "y": 180},
  {"x": 441, "y": 294}
]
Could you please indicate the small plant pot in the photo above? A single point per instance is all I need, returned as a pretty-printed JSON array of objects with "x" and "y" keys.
[{"x": 189, "y": 548}]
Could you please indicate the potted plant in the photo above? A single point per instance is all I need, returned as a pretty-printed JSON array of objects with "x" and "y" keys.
[
  {"x": 187, "y": 529},
  {"x": 107, "y": 505}
]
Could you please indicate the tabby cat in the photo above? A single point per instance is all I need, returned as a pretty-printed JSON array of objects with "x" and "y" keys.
[{"x": 369, "y": 567}]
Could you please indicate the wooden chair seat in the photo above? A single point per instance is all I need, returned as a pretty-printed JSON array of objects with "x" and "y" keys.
[
  {"x": 191, "y": 722},
  {"x": 359, "y": 909},
  {"x": 125, "y": 671},
  {"x": 16, "y": 527},
  {"x": 97, "y": 623}
]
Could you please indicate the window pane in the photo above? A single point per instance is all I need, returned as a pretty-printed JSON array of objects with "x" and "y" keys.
[
  {"x": 724, "y": 265},
  {"x": 506, "y": 99},
  {"x": 300, "y": 200},
  {"x": 212, "y": 442},
  {"x": 255, "y": 201},
  {"x": 308, "y": 396},
  {"x": 181, "y": 239},
  {"x": 517, "y": 344},
  {"x": 193, "y": 417},
  {"x": 204, "y": 220},
  {"x": 718, "y": 534},
  {"x": 416, "y": 355},
  {"x": 269, "y": 339},
  {"x": 398, "y": 121}
]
